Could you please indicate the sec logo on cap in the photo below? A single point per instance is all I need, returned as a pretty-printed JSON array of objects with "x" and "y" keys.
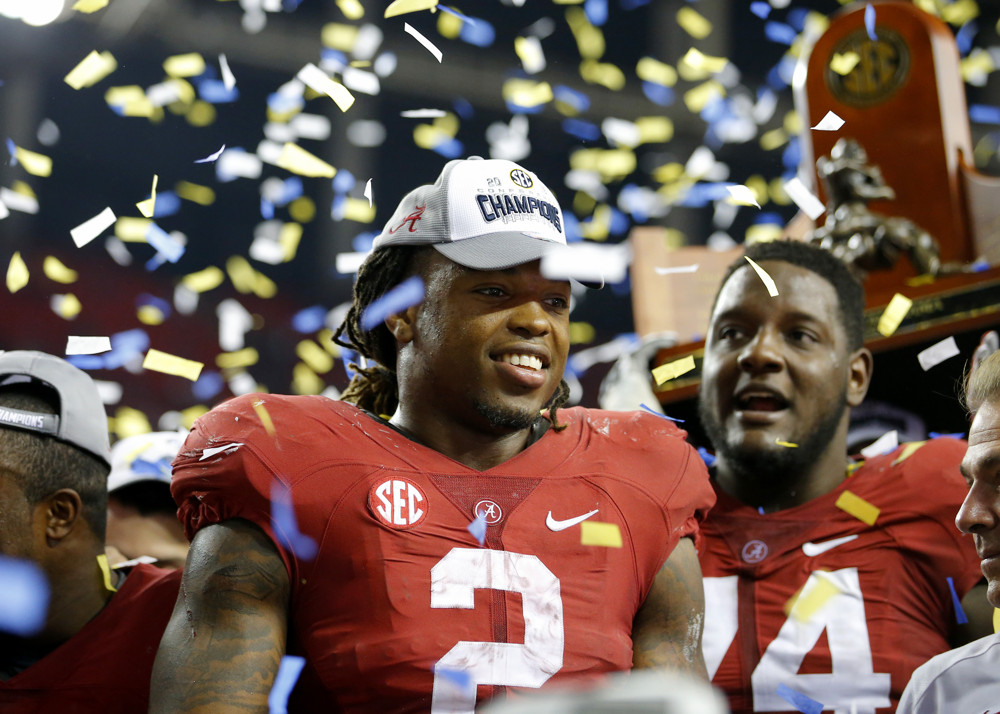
[{"x": 397, "y": 502}]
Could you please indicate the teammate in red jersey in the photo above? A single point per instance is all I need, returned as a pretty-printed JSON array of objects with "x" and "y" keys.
[
  {"x": 92, "y": 648},
  {"x": 869, "y": 548},
  {"x": 448, "y": 543}
]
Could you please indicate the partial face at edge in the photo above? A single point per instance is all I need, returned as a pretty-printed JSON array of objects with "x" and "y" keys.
[{"x": 980, "y": 512}]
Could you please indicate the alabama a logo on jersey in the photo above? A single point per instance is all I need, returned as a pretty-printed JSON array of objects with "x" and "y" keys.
[{"x": 397, "y": 502}]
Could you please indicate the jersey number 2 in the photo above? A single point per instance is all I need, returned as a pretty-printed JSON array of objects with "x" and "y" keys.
[
  {"x": 454, "y": 580},
  {"x": 853, "y": 687}
]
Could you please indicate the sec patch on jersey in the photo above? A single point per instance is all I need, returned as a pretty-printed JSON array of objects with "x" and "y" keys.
[{"x": 397, "y": 502}]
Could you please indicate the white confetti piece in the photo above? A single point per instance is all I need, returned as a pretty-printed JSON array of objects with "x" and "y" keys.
[
  {"x": 937, "y": 353},
  {"x": 212, "y": 451},
  {"x": 830, "y": 122},
  {"x": 348, "y": 263},
  {"x": 77, "y": 345},
  {"x": 768, "y": 281},
  {"x": 211, "y": 158},
  {"x": 368, "y": 192},
  {"x": 318, "y": 80},
  {"x": 587, "y": 262},
  {"x": 804, "y": 198},
  {"x": 90, "y": 229},
  {"x": 428, "y": 45},
  {"x": 743, "y": 195},
  {"x": 228, "y": 79},
  {"x": 423, "y": 113},
  {"x": 676, "y": 269},
  {"x": 882, "y": 445}
]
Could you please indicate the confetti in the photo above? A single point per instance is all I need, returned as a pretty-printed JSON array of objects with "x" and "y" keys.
[
  {"x": 188, "y": 65},
  {"x": 54, "y": 270},
  {"x": 801, "y": 702},
  {"x": 760, "y": 8},
  {"x": 228, "y": 78},
  {"x": 857, "y": 507},
  {"x": 870, "y": 22},
  {"x": 211, "y": 158},
  {"x": 478, "y": 529},
  {"x": 742, "y": 195},
  {"x": 529, "y": 51},
  {"x": 402, "y": 7},
  {"x": 297, "y": 160},
  {"x": 937, "y": 353},
  {"x": 787, "y": 444},
  {"x": 148, "y": 206},
  {"x": 654, "y": 412},
  {"x": 813, "y": 596},
  {"x": 286, "y": 526},
  {"x": 893, "y": 314},
  {"x": 675, "y": 269},
  {"x": 803, "y": 198},
  {"x": 212, "y": 451},
  {"x": 423, "y": 113},
  {"x": 408, "y": 293},
  {"x": 693, "y": 23},
  {"x": 671, "y": 370},
  {"x": 158, "y": 361},
  {"x": 349, "y": 263},
  {"x": 889, "y": 441},
  {"x": 91, "y": 70},
  {"x": 768, "y": 281},
  {"x": 428, "y": 45},
  {"x": 89, "y": 6},
  {"x": 830, "y": 122},
  {"x": 842, "y": 64},
  {"x": 317, "y": 80},
  {"x": 264, "y": 416},
  {"x": 957, "y": 603},
  {"x": 34, "y": 163},
  {"x": 602, "y": 534},
  {"x": 17, "y": 273},
  {"x": 76, "y": 345},
  {"x": 24, "y": 597},
  {"x": 90, "y": 229},
  {"x": 368, "y": 192},
  {"x": 284, "y": 682},
  {"x": 996, "y": 620}
]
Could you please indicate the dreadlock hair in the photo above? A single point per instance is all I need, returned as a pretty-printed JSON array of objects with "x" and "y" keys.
[{"x": 375, "y": 388}]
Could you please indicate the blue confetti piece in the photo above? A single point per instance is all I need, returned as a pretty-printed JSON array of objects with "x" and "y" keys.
[
  {"x": 215, "y": 91},
  {"x": 477, "y": 32},
  {"x": 596, "y": 11},
  {"x": 583, "y": 130},
  {"x": 338, "y": 206},
  {"x": 450, "y": 149},
  {"x": 168, "y": 203},
  {"x": 165, "y": 245},
  {"x": 266, "y": 209},
  {"x": 760, "y": 9},
  {"x": 362, "y": 242},
  {"x": 964, "y": 37},
  {"x": 284, "y": 682},
  {"x": 24, "y": 597},
  {"x": 578, "y": 100},
  {"x": 155, "y": 262},
  {"x": 707, "y": 457},
  {"x": 463, "y": 108},
  {"x": 207, "y": 385},
  {"x": 870, "y": 22},
  {"x": 632, "y": 4},
  {"x": 571, "y": 224},
  {"x": 12, "y": 150},
  {"x": 290, "y": 5},
  {"x": 959, "y": 612},
  {"x": 520, "y": 109},
  {"x": 792, "y": 154},
  {"x": 979, "y": 266},
  {"x": 460, "y": 678},
  {"x": 760, "y": 510},
  {"x": 656, "y": 413},
  {"x": 291, "y": 188},
  {"x": 658, "y": 93},
  {"x": 802, "y": 703},
  {"x": 955, "y": 435},
  {"x": 309, "y": 319},
  {"x": 780, "y": 32},
  {"x": 797, "y": 17},
  {"x": 478, "y": 529},
  {"x": 86, "y": 361},
  {"x": 286, "y": 527},
  {"x": 343, "y": 181},
  {"x": 160, "y": 470},
  {"x": 984, "y": 114},
  {"x": 456, "y": 13}
]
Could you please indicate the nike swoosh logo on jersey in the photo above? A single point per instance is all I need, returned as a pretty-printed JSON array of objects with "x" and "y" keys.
[
  {"x": 814, "y": 549},
  {"x": 555, "y": 525}
]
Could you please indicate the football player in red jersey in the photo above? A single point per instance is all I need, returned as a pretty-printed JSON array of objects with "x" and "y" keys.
[
  {"x": 825, "y": 578},
  {"x": 436, "y": 540},
  {"x": 92, "y": 648}
]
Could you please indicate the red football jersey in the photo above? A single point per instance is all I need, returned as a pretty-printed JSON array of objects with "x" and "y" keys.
[
  {"x": 402, "y": 609},
  {"x": 873, "y": 600},
  {"x": 107, "y": 665}
]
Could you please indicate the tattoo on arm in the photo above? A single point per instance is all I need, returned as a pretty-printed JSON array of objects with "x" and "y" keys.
[
  {"x": 225, "y": 639},
  {"x": 667, "y": 628}
]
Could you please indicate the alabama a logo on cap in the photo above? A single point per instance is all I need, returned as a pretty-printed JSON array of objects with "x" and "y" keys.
[{"x": 397, "y": 502}]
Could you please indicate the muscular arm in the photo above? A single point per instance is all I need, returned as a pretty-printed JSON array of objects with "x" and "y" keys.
[
  {"x": 224, "y": 642},
  {"x": 667, "y": 628}
]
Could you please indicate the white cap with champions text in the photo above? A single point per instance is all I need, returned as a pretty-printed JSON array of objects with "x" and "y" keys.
[{"x": 485, "y": 214}]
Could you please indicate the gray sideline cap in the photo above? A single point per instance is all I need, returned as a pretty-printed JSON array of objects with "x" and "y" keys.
[
  {"x": 81, "y": 421},
  {"x": 144, "y": 457},
  {"x": 485, "y": 214}
]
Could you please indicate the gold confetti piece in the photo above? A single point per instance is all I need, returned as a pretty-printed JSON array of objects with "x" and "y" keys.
[
  {"x": 762, "y": 233},
  {"x": 768, "y": 281},
  {"x": 299, "y": 161},
  {"x": 148, "y": 206},
  {"x": 959, "y": 12},
  {"x": 305, "y": 381},
  {"x": 78, "y": 345},
  {"x": 893, "y": 314},
  {"x": 204, "y": 280},
  {"x": 352, "y": 9},
  {"x": 17, "y": 273},
  {"x": 202, "y": 195},
  {"x": 693, "y": 23},
  {"x": 288, "y": 239},
  {"x": 357, "y": 209},
  {"x": 857, "y": 507},
  {"x": 402, "y": 7},
  {"x": 842, "y": 64},
  {"x": 188, "y": 65},
  {"x": 581, "y": 333},
  {"x": 245, "y": 357},
  {"x": 318, "y": 80},
  {"x": 773, "y": 139},
  {"x": 89, "y": 6},
  {"x": 996, "y": 620},
  {"x": 338, "y": 36},
  {"x": 672, "y": 370},
  {"x": 265, "y": 418},
  {"x": 697, "y": 98},
  {"x": 526, "y": 92},
  {"x": 787, "y": 444},
  {"x": 247, "y": 280},
  {"x": 602, "y": 534},
  {"x": 91, "y": 70},
  {"x": 66, "y": 306},
  {"x": 603, "y": 74},
  {"x": 54, "y": 270},
  {"x": 428, "y": 45},
  {"x": 697, "y": 60},
  {"x": 655, "y": 71},
  {"x": 813, "y": 596},
  {"x": 150, "y": 315},
  {"x": 589, "y": 39},
  {"x": 529, "y": 51},
  {"x": 449, "y": 26},
  {"x": 908, "y": 450},
  {"x": 93, "y": 227},
  {"x": 170, "y": 364},
  {"x": 132, "y": 101},
  {"x": 655, "y": 130},
  {"x": 131, "y": 229},
  {"x": 742, "y": 196},
  {"x": 318, "y": 359},
  {"x": 130, "y": 422},
  {"x": 918, "y": 280},
  {"x": 34, "y": 163}
]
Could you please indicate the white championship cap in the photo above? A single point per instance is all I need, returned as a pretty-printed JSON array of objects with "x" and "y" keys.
[
  {"x": 144, "y": 457},
  {"x": 485, "y": 214}
]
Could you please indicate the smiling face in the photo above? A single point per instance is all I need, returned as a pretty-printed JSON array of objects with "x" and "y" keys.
[
  {"x": 778, "y": 369},
  {"x": 980, "y": 512},
  {"x": 486, "y": 349}
]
